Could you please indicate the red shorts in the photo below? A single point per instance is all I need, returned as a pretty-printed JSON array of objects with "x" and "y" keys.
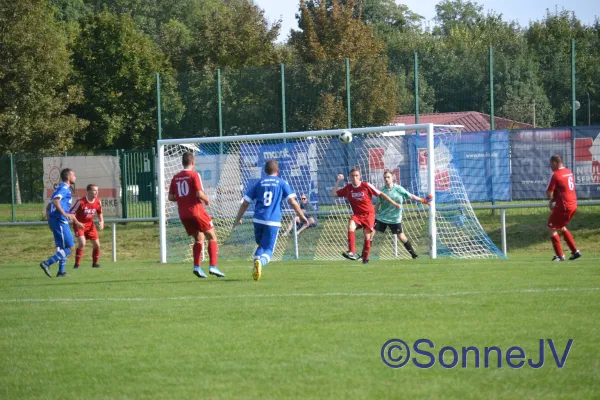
[
  {"x": 560, "y": 218},
  {"x": 366, "y": 221},
  {"x": 89, "y": 231},
  {"x": 197, "y": 223}
]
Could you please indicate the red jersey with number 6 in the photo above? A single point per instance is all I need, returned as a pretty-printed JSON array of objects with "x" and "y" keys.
[
  {"x": 184, "y": 186},
  {"x": 360, "y": 197},
  {"x": 562, "y": 183}
]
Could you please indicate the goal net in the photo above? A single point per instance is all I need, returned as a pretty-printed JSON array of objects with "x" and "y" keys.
[{"x": 419, "y": 157}]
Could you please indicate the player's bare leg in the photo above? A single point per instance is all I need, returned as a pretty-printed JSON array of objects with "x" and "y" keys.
[
  {"x": 79, "y": 251},
  {"x": 213, "y": 253},
  {"x": 95, "y": 253},
  {"x": 351, "y": 253},
  {"x": 555, "y": 239},
  {"x": 407, "y": 245}
]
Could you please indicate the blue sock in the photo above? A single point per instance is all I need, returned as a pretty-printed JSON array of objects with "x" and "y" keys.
[
  {"x": 60, "y": 254},
  {"x": 264, "y": 261},
  {"x": 61, "y": 265}
]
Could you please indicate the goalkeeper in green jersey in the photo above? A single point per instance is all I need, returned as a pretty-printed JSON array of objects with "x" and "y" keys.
[{"x": 388, "y": 215}]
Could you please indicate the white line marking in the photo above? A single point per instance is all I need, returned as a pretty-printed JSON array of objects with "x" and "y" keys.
[{"x": 283, "y": 295}]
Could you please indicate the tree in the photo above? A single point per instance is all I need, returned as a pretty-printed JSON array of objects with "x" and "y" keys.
[
  {"x": 116, "y": 63},
  {"x": 330, "y": 33},
  {"x": 457, "y": 13},
  {"x": 35, "y": 93}
]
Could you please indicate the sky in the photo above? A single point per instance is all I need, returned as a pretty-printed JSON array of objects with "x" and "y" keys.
[{"x": 522, "y": 11}]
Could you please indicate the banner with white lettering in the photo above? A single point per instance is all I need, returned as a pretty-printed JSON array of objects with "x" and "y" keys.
[
  {"x": 587, "y": 162},
  {"x": 103, "y": 171}
]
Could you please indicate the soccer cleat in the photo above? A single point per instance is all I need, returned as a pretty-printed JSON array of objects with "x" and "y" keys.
[
  {"x": 215, "y": 271},
  {"x": 257, "y": 270},
  {"x": 199, "y": 273},
  {"x": 575, "y": 256},
  {"x": 95, "y": 265},
  {"x": 62, "y": 275},
  {"x": 557, "y": 258},
  {"x": 46, "y": 269},
  {"x": 365, "y": 261},
  {"x": 76, "y": 266},
  {"x": 414, "y": 256},
  {"x": 350, "y": 255}
]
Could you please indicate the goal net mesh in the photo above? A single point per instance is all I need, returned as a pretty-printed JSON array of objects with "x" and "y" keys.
[{"x": 310, "y": 165}]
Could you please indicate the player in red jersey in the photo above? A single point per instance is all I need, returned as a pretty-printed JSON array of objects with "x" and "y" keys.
[
  {"x": 186, "y": 189},
  {"x": 563, "y": 204},
  {"x": 359, "y": 194},
  {"x": 85, "y": 209}
]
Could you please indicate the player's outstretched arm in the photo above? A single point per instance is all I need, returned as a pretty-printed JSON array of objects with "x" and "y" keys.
[
  {"x": 424, "y": 200},
  {"x": 387, "y": 198},
  {"x": 294, "y": 204},
  {"x": 340, "y": 178},
  {"x": 238, "y": 219}
]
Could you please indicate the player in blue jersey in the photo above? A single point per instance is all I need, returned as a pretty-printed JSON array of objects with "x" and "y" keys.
[
  {"x": 268, "y": 195},
  {"x": 58, "y": 219}
]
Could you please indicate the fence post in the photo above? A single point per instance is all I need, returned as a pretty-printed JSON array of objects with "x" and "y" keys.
[
  {"x": 12, "y": 186},
  {"x": 503, "y": 230},
  {"x": 349, "y": 113},
  {"x": 158, "y": 101},
  {"x": 114, "y": 241},
  {"x": 492, "y": 111},
  {"x": 416, "y": 88},
  {"x": 283, "y": 121},
  {"x": 124, "y": 181},
  {"x": 153, "y": 182},
  {"x": 220, "y": 110},
  {"x": 573, "y": 110}
]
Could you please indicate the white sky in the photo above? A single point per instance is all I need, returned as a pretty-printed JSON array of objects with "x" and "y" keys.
[{"x": 521, "y": 10}]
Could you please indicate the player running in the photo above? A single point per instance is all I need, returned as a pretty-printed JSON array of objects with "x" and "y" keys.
[
  {"x": 268, "y": 195},
  {"x": 359, "y": 195}
]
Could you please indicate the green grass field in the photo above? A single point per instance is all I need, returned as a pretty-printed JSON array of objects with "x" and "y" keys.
[{"x": 137, "y": 329}]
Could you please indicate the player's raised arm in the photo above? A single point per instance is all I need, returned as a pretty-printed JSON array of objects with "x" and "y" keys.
[
  {"x": 340, "y": 178},
  {"x": 294, "y": 204}
]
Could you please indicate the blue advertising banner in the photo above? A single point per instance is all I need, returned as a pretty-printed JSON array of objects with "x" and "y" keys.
[
  {"x": 481, "y": 160},
  {"x": 530, "y": 156},
  {"x": 587, "y": 162}
]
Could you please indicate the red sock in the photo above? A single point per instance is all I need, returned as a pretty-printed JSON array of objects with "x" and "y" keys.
[
  {"x": 78, "y": 255},
  {"x": 213, "y": 253},
  {"x": 198, "y": 253},
  {"x": 569, "y": 240},
  {"x": 366, "y": 249},
  {"x": 351, "y": 242},
  {"x": 556, "y": 244},
  {"x": 95, "y": 256}
]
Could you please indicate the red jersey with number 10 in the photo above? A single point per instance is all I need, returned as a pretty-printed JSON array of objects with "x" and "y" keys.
[
  {"x": 184, "y": 186},
  {"x": 360, "y": 197},
  {"x": 562, "y": 183}
]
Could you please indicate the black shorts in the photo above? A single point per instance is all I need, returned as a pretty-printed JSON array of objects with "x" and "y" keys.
[{"x": 395, "y": 228}]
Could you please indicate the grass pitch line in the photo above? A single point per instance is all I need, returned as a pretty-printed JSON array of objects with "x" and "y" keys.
[{"x": 282, "y": 295}]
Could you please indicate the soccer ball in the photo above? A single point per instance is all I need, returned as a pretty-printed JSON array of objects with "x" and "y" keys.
[{"x": 346, "y": 137}]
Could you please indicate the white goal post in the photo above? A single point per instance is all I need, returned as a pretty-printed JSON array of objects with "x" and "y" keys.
[{"x": 419, "y": 155}]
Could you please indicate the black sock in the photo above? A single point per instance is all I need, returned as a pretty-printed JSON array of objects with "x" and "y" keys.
[{"x": 409, "y": 247}]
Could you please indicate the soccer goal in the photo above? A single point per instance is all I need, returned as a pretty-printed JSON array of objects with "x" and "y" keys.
[{"x": 419, "y": 156}]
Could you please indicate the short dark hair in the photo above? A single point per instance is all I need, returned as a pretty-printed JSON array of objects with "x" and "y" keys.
[
  {"x": 187, "y": 159},
  {"x": 64, "y": 174},
  {"x": 557, "y": 159},
  {"x": 271, "y": 167},
  {"x": 90, "y": 186},
  {"x": 355, "y": 169}
]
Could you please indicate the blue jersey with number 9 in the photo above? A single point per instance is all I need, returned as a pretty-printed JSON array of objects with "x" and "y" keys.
[{"x": 269, "y": 194}]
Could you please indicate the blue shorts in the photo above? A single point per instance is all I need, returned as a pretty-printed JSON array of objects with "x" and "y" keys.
[
  {"x": 63, "y": 238},
  {"x": 265, "y": 236}
]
